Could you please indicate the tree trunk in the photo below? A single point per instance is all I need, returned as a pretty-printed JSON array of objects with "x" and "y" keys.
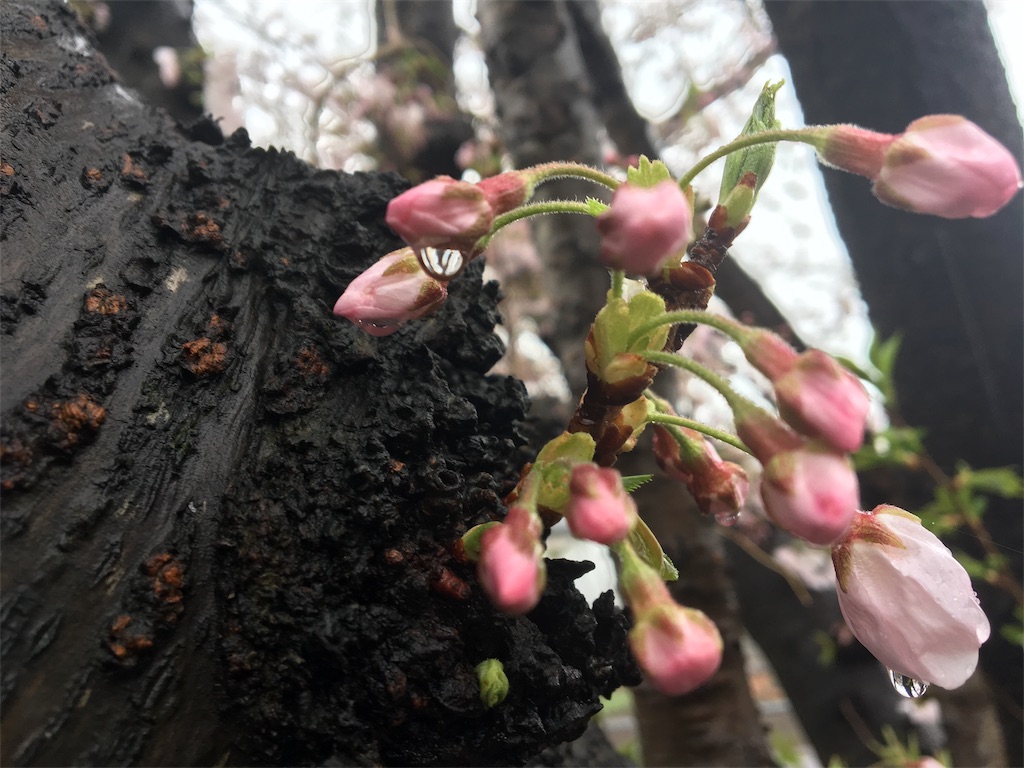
[
  {"x": 951, "y": 289},
  {"x": 228, "y": 517}
]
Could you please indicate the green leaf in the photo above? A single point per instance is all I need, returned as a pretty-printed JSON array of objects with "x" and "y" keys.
[
  {"x": 632, "y": 482},
  {"x": 757, "y": 159},
  {"x": 883, "y": 356},
  {"x": 1004, "y": 482}
]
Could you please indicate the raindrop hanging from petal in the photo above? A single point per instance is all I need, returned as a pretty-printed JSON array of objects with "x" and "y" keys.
[{"x": 910, "y": 687}]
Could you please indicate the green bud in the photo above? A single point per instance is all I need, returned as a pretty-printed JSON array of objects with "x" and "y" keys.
[
  {"x": 471, "y": 540},
  {"x": 757, "y": 159},
  {"x": 739, "y": 201},
  {"x": 493, "y": 682}
]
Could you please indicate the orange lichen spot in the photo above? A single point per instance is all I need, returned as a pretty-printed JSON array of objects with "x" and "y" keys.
[
  {"x": 137, "y": 643},
  {"x": 396, "y": 465},
  {"x": 120, "y": 623},
  {"x": 154, "y": 565},
  {"x": 93, "y": 174},
  {"x": 31, "y": 406},
  {"x": 73, "y": 417},
  {"x": 6, "y": 169},
  {"x": 393, "y": 557},
  {"x": 239, "y": 259},
  {"x": 450, "y": 585},
  {"x": 130, "y": 171},
  {"x": 39, "y": 23},
  {"x": 200, "y": 227},
  {"x": 309, "y": 363},
  {"x": 203, "y": 356},
  {"x": 223, "y": 203},
  {"x": 285, "y": 261},
  {"x": 102, "y": 301},
  {"x": 118, "y": 650}
]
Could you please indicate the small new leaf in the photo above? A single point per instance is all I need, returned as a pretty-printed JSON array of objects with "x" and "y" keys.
[
  {"x": 647, "y": 174},
  {"x": 632, "y": 482},
  {"x": 595, "y": 207}
]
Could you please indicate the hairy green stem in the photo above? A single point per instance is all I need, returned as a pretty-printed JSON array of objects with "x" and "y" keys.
[
  {"x": 533, "y": 209},
  {"x": 717, "y": 434},
  {"x": 805, "y": 135},
  {"x": 725, "y": 325},
  {"x": 547, "y": 171}
]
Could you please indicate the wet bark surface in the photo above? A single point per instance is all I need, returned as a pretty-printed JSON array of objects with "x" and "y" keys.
[{"x": 228, "y": 517}]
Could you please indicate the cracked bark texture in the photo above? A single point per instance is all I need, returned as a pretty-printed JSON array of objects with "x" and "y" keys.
[{"x": 228, "y": 517}]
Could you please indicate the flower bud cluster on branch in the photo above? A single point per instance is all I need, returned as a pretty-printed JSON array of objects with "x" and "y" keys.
[{"x": 901, "y": 591}]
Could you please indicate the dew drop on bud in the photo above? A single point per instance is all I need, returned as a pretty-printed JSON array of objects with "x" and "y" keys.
[
  {"x": 441, "y": 265},
  {"x": 726, "y": 517},
  {"x": 910, "y": 687}
]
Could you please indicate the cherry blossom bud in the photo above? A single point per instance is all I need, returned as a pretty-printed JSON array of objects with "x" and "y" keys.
[
  {"x": 811, "y": 492},
  {"x": 944, "y": 165},
  {"x": 510, "y": 567},
  {"x": 820, "y": 398},
  {"x": 907, "y": 599},
  {"x": 441, "y": 213},
  {"x": 391, "y": 292},
  {"x": 719, "y": 487},
  {"x": 678, "y": 648},
  {"x": 816, "y": 395},
  {"x": 506, "y": 191},
  {"x": 599, "y": 507},
  {"x": 644, "y": 227}
]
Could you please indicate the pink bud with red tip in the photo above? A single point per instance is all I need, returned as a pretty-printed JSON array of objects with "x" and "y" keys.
[
  {"x": 907, "y": 599},
  {"x": 944, "y": 165},
  {"x": 807, "y": 488},
  {"x": 441, "y": 213},
  {"x": 719, "y": 487},
  {"x": 645, "y": 227},
  {"x": 599, "y": 507},
  {"x": 816, "y": 395},
  {"x": 678, "y": 648},
  {"x": 510, "y": 566},
  {"x": 391, "y": 292}
]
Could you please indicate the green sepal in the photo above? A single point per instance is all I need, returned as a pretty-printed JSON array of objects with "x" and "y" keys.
[
  {"x": 643, "y": 308},
  {"x": 759, "y": 158},
  {"x": 577, "y": 447},
  {"x": 648, "y": 549},
  {"x": 647, "y": 174},
  {"x": 554, "y": 466},
  {"x": 632, "y": 482},
  {"x": 595, "y": 207},
  {"x": 471, "y": 540}
]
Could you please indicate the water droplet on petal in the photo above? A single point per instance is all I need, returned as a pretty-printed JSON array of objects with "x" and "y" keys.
[
  {"x": 379, "y": 327},
  {"x": 907, "y": 686},
  {"x": 726, "y": 516},
  {"x": 441, "y": 265}
]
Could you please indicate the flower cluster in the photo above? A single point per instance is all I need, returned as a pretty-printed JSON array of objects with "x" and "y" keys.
[{"x": 901, "y": 591}]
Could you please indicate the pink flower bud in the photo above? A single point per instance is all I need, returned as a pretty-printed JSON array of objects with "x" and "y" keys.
[
  {"x": 599, "y": 507},
  {"x": 820, "y": 398},
  {"x": 907, "y": 599},
  {"x": 678, "y": 648},
  {"x": 645, "y": 227},
  {"x": 441, "y": 213},
  {"x": 816, "y": 395},
  {"x": 719, "y": 487},
  {"x": 505, "y": 191},
  {"x": 510, "y": 567},
  {"x": 391, "y": 292},
  {"x": 944, "y": 165},
  {"x": 811, "y": 492}
]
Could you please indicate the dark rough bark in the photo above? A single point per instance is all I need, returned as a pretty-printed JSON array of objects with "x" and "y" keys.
[
  {"x": 227, "y": 516},
  {"x": 546, "y": 103},
  {"x": 139, "y": 27},
  {"x": 952, "y": 289}
]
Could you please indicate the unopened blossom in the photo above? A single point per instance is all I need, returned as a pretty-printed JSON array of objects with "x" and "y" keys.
[
  {"x": 944, "y": 165},
  {"x": 816, "y": 395},
  {"x": 510, "y": 566},
  {"x": 678, "y": 648},
  {"x": 907, "y": 599},
  {"x": 391, "y": 292},
  {"x": 599, "y": 507},
  {"x": 719, "y": 487},
  {"x": 645, "y": 227},
  {"x": 807, "y": 488},
  {"x": 442, "y": 213}
]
